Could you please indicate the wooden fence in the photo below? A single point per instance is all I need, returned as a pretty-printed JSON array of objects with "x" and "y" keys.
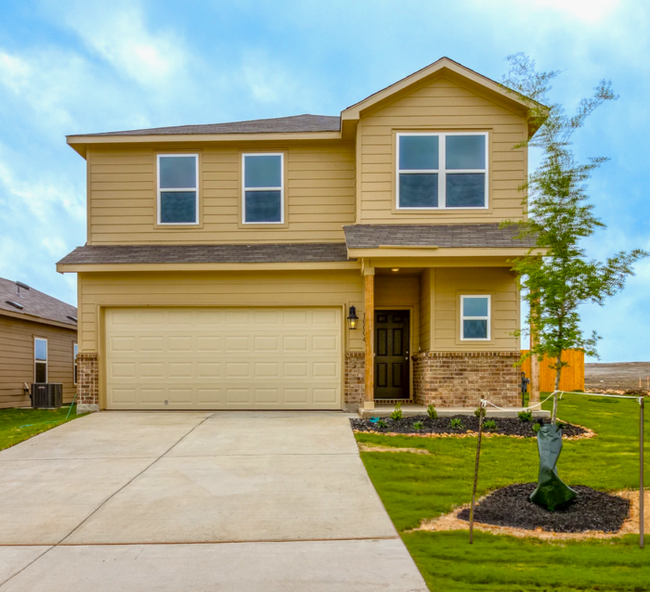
[{"x": 573, "y": 375}]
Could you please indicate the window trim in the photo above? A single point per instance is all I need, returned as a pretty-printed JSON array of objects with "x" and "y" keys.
[
  {"x": 160, "y": 189},
  {"x": 487, "y": 318},
  {"x": 442, "y": 171},
  {"x": 47, "y": 358},
  {"x": 75, "y": 367},
  {"x": 243, "y": 191}
]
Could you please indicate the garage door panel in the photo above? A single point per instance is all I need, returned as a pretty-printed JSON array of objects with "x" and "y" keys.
[
  {"x": 325, "y": 395},
  {"x": 249, "y": 358}
]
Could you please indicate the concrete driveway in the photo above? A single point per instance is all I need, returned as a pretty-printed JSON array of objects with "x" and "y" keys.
[{"x": 196, "y": 501}]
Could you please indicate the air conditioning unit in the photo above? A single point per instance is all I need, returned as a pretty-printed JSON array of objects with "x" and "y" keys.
[{"x": 46, "y": 395}]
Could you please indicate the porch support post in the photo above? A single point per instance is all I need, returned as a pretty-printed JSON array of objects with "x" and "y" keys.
[
  {"x": 369, "y": 337},
  {"x": 534, "y": 370}
]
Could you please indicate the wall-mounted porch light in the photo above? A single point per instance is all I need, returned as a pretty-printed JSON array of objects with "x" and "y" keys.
[{"x": 353, "y": 319}]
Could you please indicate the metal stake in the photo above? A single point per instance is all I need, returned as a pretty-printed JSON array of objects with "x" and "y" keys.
[
  {"x": 482, "y": 406},
  {"x": 641, "y": 485}
]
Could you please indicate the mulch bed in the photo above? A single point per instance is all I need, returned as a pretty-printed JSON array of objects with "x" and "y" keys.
[
  {"x": 506, "y": 426},
  {"x": 592, "y": 510}
]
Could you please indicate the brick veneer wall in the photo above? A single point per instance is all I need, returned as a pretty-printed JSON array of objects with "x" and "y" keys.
[
  {"x": 459, "y": 379},
  {"x": 87, "y": 382},
  {"x": 354, "y": 380}
]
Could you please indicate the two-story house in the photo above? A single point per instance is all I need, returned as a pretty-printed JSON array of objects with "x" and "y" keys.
[{"x": 308, "y": 262}]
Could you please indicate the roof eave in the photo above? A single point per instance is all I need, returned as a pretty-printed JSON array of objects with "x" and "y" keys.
[
  {"x": 154, "y": 267},
  {"x": 420, "y": 251},
  {"x": 36, "y": 319},
  {"x": 80, "y": 142}
]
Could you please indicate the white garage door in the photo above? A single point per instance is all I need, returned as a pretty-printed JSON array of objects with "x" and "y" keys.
[{"x": 226, "y": 358}]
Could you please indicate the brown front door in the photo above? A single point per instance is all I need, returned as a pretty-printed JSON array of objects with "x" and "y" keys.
[{"x": 392, "y": 338}]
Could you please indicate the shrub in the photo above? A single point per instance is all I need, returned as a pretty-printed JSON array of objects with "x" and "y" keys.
[
  {"x": 525, "y": 416},
  {"x": 537, "y": 427},
  {"x": 382, "y": 424},
  {"x": 418, "y": 425},
  {"x": 397, "y": 414},
  {"x": 490, "y": 425},
  {"x": 456, "y": 423},
  {"x": 431, "y": 412},
  {"x": 480, "y": 411}
]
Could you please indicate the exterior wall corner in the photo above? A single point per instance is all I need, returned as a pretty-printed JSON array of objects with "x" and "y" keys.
[
  {"x": 354, "y": 391},
  {"x": 87, "y": 382}
]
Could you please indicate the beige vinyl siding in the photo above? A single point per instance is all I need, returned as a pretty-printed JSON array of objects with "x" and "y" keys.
[
  {"x": 400, "y": 291},
  {"x": 319, "y": 193},
  {"x": 445, "y": 106},
  {"x": 217, "y": 289},
  {"x": 499, "y": 283},
  {"x": 17, "y": 359},
  {"x": 426, "y": 303}
]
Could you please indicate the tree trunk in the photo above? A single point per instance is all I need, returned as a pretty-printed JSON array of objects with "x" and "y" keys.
[{"x": 558, "y": 373}]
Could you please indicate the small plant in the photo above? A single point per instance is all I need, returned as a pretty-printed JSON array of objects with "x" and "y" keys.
[
  {"x": 490, "y": 425},
  {"x": 431, "y": 412},
  {"x": 418, "y": 425},
  {"x": 382, "y": 424},
  {"x": 537, "y": 427},
  {"x": 525, "y": 416},
  {"x": 456, "y": 423},
  {"x": 480, "y": 411},
  {"x": 397, "y": 414}
]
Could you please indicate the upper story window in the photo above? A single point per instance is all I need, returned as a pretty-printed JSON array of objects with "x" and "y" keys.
[
  {"x": 475, "y": 318},
  {"x": 442, "y": 170},
  {"x": 40, "y": 359},
  {"x": 263, "y": 188},
  {"x": 178, "y": 193}
]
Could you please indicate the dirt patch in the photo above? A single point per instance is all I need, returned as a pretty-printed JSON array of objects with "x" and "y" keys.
[
  {"x": 468, "y": 427},
  {"x": 451, "y": 521},
  {"x": 617, "y": 378},
  {"x": 377, "y": 448}
]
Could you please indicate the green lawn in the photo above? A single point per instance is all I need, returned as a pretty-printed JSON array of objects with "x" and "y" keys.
[
  {"x": 414, "y": 487},
  {"x": 17, "y": 425}
]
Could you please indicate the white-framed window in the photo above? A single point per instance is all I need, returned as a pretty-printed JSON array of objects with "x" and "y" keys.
[
  {"x": 40, "y": 359},
  {"x": 178, "y": 188},
  {"x": 75, "y": 351},
  {"x": 263, "y": 188},
  {"x": 475, "y": 318},
  {"x": 442, "y": 170}
]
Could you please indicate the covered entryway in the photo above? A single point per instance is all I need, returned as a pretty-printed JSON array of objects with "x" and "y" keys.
[{"x": 223, "y": 358}]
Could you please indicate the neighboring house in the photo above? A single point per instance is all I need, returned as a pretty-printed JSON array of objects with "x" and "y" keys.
[
  {"x": 225, "y": 263},
  {"x": 38, "y": 343}
]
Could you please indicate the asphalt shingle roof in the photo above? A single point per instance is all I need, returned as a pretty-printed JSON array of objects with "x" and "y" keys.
[
  {"x": 257, "y": 253},
  {"x": 293, "y": 124},
  {"x": 372, "y": 236},
  {"x": 35, "y": 303}
]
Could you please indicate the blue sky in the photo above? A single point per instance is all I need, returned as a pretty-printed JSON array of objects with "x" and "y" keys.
[{"x": 76, "y": 66}]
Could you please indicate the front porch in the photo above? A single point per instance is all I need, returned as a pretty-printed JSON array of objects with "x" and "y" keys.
[{"x": 415, "y": 350}]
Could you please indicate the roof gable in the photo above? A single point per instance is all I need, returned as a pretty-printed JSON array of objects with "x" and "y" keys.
[{"x": 445, "y": 67}]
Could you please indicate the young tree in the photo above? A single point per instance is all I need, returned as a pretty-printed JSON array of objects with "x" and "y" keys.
[{"x": 557, "y": 276}]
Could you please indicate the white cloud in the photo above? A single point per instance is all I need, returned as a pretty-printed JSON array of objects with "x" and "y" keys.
[
  {"x": 14, "y": 72},
  {"x": 118, "y": 33}
]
